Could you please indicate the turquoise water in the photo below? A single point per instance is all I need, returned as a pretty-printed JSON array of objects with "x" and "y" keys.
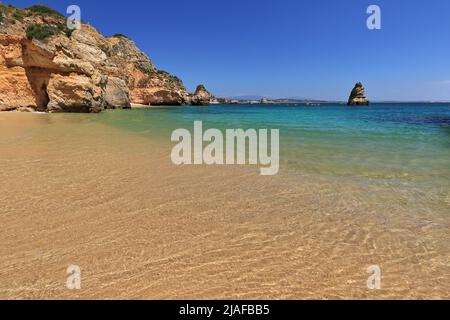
[{"x": 406, "y": 142}]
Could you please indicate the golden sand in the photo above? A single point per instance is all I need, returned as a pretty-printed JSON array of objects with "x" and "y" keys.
[{"x": 76, "y": 192}]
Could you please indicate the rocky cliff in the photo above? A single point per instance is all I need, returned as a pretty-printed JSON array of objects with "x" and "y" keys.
[
  {"x": 358, "y": 96},
  {"x": 202, "y": 97},
  {"x": 46, "y": 67}
]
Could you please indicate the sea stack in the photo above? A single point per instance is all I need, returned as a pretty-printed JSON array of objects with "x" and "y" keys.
[
  {"x": 358, "y": 96},
  {"x": 201, "y": 97}
]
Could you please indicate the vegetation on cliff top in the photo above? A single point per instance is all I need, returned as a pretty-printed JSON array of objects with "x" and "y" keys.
[
  {"x": 40, "y": 31},
  {"x": 201, "y": 87},
  {"x": 35, "y": 30},
  {"x": 44, "y": 11},
  {"x": 172, "y": 80},
  {"x": 39, "y": 10},
  {"x": 170, "y": 77},
  {"x": 144, "y": 67},
  {"x": 119, "y": 35},
  {"x": 19, "y": 14}
]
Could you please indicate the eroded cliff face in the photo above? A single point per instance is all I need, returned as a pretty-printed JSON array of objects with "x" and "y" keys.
[{"x": 79, "y": 71}]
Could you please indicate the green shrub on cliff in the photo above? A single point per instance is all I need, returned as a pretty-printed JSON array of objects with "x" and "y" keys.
[
  {"x": 40, "y": 31},
  {"x": 63, "y": 28},
  {"x": 169, "y": 77},
  {"x": 68, "y": 32},
  {"x": 44, "y": 11},
  {"x": 1, "y": 16},
  {"x": 144, "y": 67},
  {"x": 19, "y": 14},
  {"x": 119, "y": 35}
]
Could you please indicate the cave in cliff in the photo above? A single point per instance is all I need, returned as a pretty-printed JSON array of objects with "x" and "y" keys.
[
  {"x": 44, "y": 97},
  {"x": 39, "y": 79}
]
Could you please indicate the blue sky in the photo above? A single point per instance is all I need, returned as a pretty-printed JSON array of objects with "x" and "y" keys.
[{"x": 287, "y": 48}]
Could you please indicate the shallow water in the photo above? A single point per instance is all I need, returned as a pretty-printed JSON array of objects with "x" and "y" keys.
[
  {"x": 406, "y": 141},
  {"x": 405, "y": 144},
  {"x": 357, "y": 187}
]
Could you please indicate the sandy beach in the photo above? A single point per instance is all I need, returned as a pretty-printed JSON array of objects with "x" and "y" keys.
[
  {"x": 139, "y": 106},
  {"x": 80, "y": 193}
]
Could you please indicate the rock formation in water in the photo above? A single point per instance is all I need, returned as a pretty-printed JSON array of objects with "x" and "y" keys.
[
  {"x": 202, "y": 97},
  {"x": 46, "y": 67},
  {"x": 358, "y": 96}
]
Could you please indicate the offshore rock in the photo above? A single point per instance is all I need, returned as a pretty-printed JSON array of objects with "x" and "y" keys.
[
  {"x": 202, "y": 97},
  {"x": 358, "y": 96}
]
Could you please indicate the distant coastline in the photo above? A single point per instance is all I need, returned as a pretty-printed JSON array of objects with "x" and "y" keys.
[{"x": 312, "y": 102}]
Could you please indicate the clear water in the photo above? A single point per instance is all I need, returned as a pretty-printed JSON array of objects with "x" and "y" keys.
[
  {"x": 357, "y": 187},
  {"x": 405, "y": 142}
]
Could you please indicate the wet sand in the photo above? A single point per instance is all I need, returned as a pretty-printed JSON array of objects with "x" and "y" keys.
[
  {"x": 75, "y": 192},
  {"x": 139, "y": 106}
]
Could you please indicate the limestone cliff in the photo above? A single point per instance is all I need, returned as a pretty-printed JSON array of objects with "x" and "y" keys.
[
  {"x": 358, "y": 96},
  {"x": 46, "y": 67}
]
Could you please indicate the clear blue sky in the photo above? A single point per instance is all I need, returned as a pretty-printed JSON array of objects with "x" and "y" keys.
[{"x": 287, "y": 48}]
